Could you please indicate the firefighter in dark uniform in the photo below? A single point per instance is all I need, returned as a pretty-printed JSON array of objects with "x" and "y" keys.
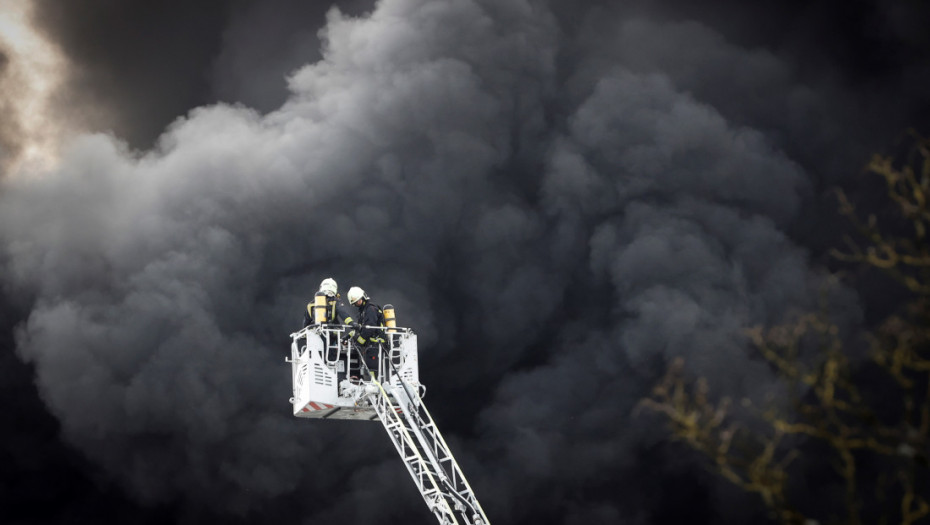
[
  {"x": 369, "y": 340},
  {"x": 336, "y": 312}
]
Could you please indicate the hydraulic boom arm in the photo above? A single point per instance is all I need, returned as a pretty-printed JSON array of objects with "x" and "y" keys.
[{"x": 423, "y": 450}]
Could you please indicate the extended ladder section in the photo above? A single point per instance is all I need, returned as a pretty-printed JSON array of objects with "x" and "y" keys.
[{"x": 428, "y": 459}]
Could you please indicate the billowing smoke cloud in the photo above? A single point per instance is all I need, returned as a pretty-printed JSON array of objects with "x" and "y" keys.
[
  {"x": 176, "y": 55},
  {"x": 557, "y": 210},
  {"x": 30, "y": 72},
  {"x": 8, "y": 127},
  {"x": 265, "y": 41}
]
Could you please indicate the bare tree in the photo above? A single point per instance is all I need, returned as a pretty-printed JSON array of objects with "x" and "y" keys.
[{"x": 865, "y": 420}]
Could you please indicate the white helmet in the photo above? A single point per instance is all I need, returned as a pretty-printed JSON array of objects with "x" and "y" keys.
[
  {"x": 356, "y": 293},
  {"x": 328, "y": 286}
]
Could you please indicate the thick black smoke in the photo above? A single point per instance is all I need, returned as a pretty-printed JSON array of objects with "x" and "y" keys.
[
  {"x": 557, "y": 200},
  {"x": 149, "y": 63}
]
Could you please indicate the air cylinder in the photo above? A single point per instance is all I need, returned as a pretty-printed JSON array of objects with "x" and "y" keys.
[
  {"x": 389, "y": 320},
  {"x": 319, "y": 308}
]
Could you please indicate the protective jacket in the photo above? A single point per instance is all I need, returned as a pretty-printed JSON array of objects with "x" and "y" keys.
[{"x": 370, "y": 314}]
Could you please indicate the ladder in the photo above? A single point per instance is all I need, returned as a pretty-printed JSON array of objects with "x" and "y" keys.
[{"x": 424, "y": 452}]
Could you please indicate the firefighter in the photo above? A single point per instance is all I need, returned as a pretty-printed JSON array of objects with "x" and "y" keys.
[
  {"x": 369, "y": 340},
  {"x": 336, "y": 313}
]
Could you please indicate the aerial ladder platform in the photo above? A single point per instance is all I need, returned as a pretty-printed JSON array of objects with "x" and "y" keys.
[{"x": 331, "y": 381}]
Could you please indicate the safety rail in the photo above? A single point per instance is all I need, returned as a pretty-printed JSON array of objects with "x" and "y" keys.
[
  {"x": 334, "y": 341},
  {"x": 341, "y": 328}
]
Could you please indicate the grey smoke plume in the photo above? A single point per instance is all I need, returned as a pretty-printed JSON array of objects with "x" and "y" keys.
[
  {"x": 8, "y": 127},
  {"x": 556, "y": 211}
]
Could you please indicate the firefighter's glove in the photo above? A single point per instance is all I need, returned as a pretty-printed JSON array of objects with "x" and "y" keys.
[{"x": 356, "y": 327}]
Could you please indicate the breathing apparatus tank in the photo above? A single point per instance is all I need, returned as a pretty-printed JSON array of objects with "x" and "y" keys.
[
  {"x": 389, "y": 320},
  {"x": 319, "y": 308}
]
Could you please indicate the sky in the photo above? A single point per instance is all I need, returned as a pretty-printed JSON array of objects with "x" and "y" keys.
[{"x": 558, "y": 197}]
